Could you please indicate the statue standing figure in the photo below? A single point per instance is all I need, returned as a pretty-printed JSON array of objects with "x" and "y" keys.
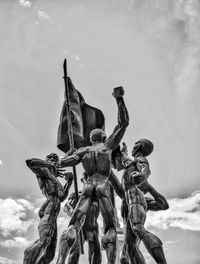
[
  {"x": 42, "y": 251},
  {"x": 134, "y": 182},
  {"x": 96, "y": 161},
  {"x": 90, "y": 233}
]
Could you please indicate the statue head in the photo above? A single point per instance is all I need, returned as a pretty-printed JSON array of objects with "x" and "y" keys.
[
  {"x": 97, "y": 135},
  {"x": 144, "y": 146},
  {"x": 53, "y": 157}
]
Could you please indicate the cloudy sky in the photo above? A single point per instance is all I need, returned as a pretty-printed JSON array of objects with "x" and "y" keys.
[{"x": 152, "y": 48}]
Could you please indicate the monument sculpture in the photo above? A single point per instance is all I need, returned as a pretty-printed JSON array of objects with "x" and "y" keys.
[
  {"x": 90, "y": 230},
  {"x": 82, "y": 138},
  {"x": 47, "y": 171},
  {"x": 134, "y": 182},
  {"x": 96, "y": 161}
]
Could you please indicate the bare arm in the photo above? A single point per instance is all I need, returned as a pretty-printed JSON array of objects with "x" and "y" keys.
[
  {"x": 69, "y": 178},
  {"x": 116, "y": 184},
  {"x": 38, "y": 165},
  {"x": 123, "y": 120},
  {"x": 158, "y": 202},
  {"x": 72, "y": 160}
]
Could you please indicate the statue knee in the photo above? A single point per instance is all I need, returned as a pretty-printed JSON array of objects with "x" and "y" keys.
[
  {"x": 69, "y": 235},
  {"x": 109, "y": 238},
  {"x": 151, "y": 241}
]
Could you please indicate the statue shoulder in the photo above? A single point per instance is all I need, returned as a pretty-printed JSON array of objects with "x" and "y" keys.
[{"x": 141, "y": 159}]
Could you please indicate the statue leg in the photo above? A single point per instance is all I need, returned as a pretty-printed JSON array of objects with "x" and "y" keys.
[
  {"x": 124, "y": 258},
  {"x": 35, "y": 252},
  {"x": 110, "y": 235},
  {"x": 136, "y": 230},
  {"x": 70, "y": 234},
  {"x": 75, "y": 252},
  {"x": 50, "y": 251},
  {"x": 94, "y": 249},
  {"x": 131, "y": 248},
  {"x": 154, "y": 246}
]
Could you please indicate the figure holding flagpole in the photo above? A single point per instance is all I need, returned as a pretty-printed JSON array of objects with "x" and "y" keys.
[{"x": 96, "y": 161}]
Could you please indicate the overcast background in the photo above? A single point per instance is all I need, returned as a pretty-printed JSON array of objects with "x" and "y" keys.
[{"x": 152, "y": 48}]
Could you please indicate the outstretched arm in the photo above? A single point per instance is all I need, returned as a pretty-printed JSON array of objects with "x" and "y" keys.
[
  {"x": 72, "y": 160},
  {"x": 123, "y": 120},
  {"x": 38, "y": 165},
  {"x": 158, "y": 202}
]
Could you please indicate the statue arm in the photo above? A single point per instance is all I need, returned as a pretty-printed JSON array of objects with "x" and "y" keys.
[
  {"x": 158, "y": 202},
  {"x": 116, "y": 184},
  {"x": 123, "y": 120},
  {"x": 72, "y": 160},
  {"x": 64, "y": 193},
  {"x": 43, "y": 207},
  {"x": 38, "y": 165}
]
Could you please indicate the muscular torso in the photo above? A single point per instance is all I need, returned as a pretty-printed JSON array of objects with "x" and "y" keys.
[
  {"x": 50, "y": 189},
  {"x": 133, "y": 194},
  {"x": 97, "y": 162}
]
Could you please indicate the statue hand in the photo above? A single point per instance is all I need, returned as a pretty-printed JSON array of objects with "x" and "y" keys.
[
  {"x": 138, "y": 178},
  {"x": 60, "y": 171},
  {"x": 118, "y": 92},
  {"x": 68, "y": 176},
  {"x": 124, "y": 148}
]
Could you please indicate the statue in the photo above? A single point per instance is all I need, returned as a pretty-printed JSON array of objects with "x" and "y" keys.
[
  {"x": 96, "y": 161},
  {"x": 90, "y": 230},
  {"x": 90, "y": 227},
  {"x": 135, "y": 205},
  {"x": 42, "y": 251}
]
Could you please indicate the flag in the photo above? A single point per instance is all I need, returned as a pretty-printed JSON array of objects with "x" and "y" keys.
[{"x": 84, "y": 119}]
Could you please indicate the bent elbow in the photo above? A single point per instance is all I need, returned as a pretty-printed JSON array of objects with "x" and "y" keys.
[
  {"x": 28, "y": 162},
  {"x": 126, "y": 123},
  {"x": 166, "y": 206}
]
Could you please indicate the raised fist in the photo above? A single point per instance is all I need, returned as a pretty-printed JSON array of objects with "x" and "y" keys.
[{"x": 118, "y": 92}]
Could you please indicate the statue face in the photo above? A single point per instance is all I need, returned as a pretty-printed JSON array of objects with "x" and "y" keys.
[
  {"x": 136, "y": 148},
  {"x": 52, "y": 157}
]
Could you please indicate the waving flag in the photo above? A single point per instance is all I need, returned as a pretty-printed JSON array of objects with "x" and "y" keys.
[{"x": 84, "y": 119}]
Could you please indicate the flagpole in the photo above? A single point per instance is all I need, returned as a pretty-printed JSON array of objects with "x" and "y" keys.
[{"x": 71, "y": 139}]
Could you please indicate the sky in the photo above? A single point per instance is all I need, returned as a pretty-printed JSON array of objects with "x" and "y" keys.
[{"x": 152, "y": 49}]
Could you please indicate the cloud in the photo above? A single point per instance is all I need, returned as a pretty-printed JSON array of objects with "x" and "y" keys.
[
  {"x": 42, "y": 15},
  {"x": 16, "y": 242},
  {"x": 14, "y": 216},
  {"x": 1, "y": 163},
  {"x": 183, "y": 213},
  {"x": 7, "y": 261},
  {"x": 25, "y": 3}
]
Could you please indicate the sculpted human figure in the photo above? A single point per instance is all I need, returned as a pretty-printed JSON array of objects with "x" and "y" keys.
[
  {"x": 96, "y": 161},
  {"x": 90, "y": 231},
  {"x": 42, "y": 251},
  {"x": 134, "y": 182},
  {"x": 131, "y": 245},
  {"x": 90, "y": 227}
]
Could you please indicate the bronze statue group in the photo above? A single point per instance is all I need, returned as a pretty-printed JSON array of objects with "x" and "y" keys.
[{"x": 99, "y": 160}]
